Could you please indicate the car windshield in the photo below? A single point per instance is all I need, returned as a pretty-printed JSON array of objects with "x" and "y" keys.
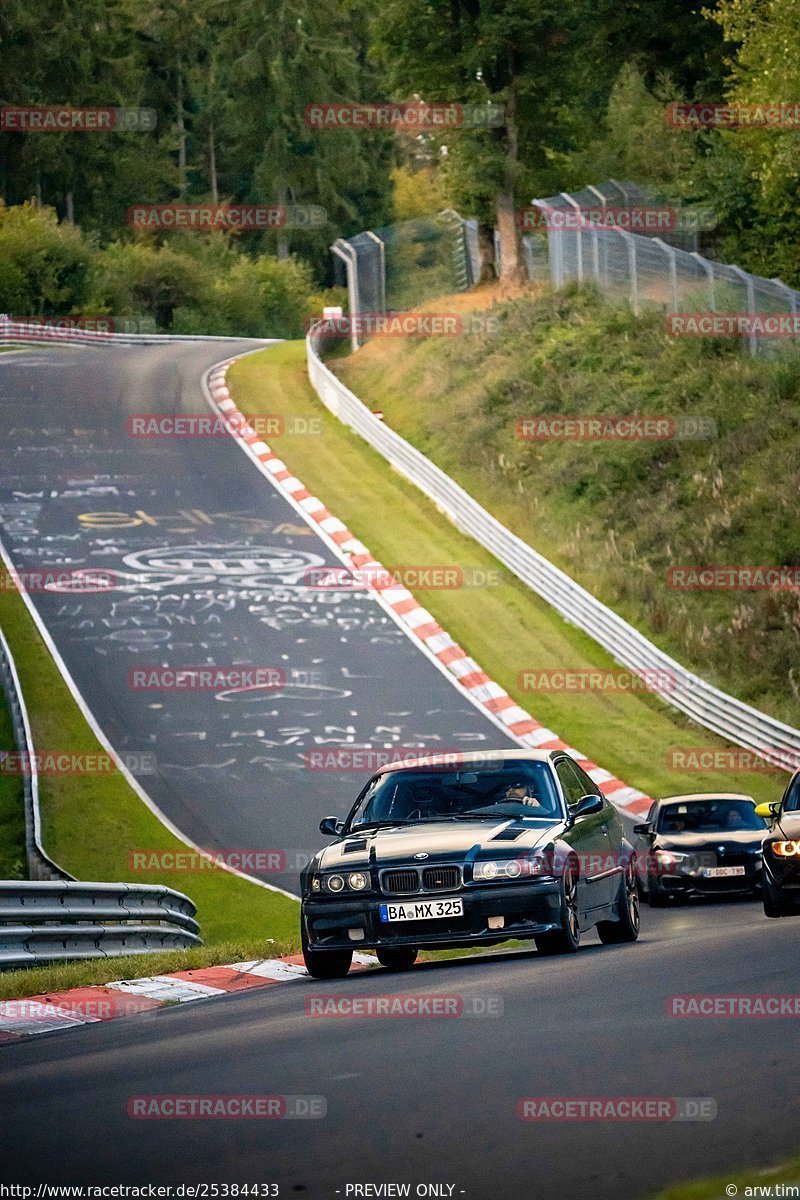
[
  {"x": 709, "y": 816},
  {"x": 519, "y": 790}
]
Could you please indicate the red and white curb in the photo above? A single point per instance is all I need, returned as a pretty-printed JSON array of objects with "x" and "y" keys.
[
  {"x": 417, "y": 622},
  {"x": 126, "y": 997}
]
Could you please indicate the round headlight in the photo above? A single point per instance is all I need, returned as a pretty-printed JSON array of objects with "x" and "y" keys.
[
  {"x": 488, "y": 870},
  {"x": 335, "y": 883},
  {"x": 513, "y": 869},
  {"x": 357, "y": 881}
]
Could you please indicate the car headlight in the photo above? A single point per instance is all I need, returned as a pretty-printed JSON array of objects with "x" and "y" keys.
[
  {"x": 670, "y": 858},
  {"x": 357, "y": 881},
  {"x": 316, "y": 884},
  {"x": 509, "y": 868},
  {"x": 786, "y": 849},
  {"x": 335, "y": 883}
]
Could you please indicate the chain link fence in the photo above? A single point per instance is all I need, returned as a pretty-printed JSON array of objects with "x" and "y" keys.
[
  {"x": 661, "y": 267},
  {"x": 406, "y": 264}
]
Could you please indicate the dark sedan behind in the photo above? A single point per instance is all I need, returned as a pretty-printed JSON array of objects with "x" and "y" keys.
[{"x": 701, "y": 844}]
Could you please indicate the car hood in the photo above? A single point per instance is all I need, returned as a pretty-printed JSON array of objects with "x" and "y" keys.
[
  {"x": 788, "y": 825},
  {"x": 440, "y": 840},
  {"x": 741, "y": 839}
]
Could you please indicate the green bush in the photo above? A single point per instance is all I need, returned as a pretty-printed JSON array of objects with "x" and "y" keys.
[{"x": 43, "y": 265}]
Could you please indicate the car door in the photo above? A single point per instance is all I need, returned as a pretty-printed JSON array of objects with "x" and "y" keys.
[{"x": 589, "y": 838}]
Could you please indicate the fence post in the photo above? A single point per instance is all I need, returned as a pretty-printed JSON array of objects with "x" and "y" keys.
[
  {"x": 630, "y": 243},
  {"x": 673, "y": 271},
  {"x": 752, "y": 339},
  {"x": 595, "y": 234},
  {"x": 578, "y": 246},
  {"x": 347, "y": 254},
  {"x": 382, "y": 267},
  {"x": 708, "y": 267}
]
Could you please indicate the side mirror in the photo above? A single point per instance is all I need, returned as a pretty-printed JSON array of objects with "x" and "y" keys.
[
  {"x": 331, "y": 827},
  {"x": 769, "y": 810},
  {"x": 585, "y": 807},
  {"x": 643, "y": 829}
]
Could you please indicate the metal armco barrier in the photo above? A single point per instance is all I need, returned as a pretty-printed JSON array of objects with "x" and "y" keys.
[
  {"x": 57, "y": 921},
  {"x": 24, "y": 333},
  {"x": 40, "y": 865},
  {"x": 732, "y": 719}
]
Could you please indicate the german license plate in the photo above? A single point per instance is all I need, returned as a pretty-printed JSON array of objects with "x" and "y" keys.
[
  {"x": 422, "y": 910},
  {"x": 722, "y": 872}
]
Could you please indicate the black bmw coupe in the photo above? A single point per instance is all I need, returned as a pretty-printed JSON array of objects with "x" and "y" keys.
[
  {"x": 782, "y": 853},
  {"x": 441, "y": 854}
]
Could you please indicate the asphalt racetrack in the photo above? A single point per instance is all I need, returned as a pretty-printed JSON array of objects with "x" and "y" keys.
[
  {"x": 434, "y": 1099},
  {"x": 208, "y": 564}
]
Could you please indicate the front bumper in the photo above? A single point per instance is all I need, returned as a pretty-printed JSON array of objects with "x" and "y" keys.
[
  {"x": 783, "y": 875},
  {"x": 691, "y": 882},
  {"x": 528, "y": 909}
]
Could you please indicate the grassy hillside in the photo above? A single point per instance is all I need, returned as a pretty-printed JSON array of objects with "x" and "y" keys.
[{"x": 618, "y": 514}]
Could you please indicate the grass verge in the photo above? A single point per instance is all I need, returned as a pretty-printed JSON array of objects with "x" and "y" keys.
[
  {"x": 506, "y": 627},
  {"x": 12, "y": 811}
]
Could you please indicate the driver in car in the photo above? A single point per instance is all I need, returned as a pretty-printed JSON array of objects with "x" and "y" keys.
[{"x": 520, "y": 793}]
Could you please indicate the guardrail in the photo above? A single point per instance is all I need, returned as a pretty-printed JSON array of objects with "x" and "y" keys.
[
  {"x": 40, "y": 865},
  {"x": 707, "y": 705},
  {"x": 58, "y": 921},
  {"x": 13, "y": 332}
]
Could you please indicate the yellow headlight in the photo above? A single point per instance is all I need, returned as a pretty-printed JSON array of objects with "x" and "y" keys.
[{"x": 786, "y": 849}]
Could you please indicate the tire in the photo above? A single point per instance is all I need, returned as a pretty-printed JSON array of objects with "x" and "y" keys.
[
  {"x": 326, "y": 964},
  {"x": 396, "y": 958},
  {"x": 626, "y": 927},
  {"x": 567, "y": 939}
]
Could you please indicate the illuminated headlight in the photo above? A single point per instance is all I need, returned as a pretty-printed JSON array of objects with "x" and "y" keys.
[
  {"x": 357, "y": 881},
  {"x": 335, "y": 883},
  {"x": 511, "y": 868},
  {"x": 316, "y": 884},
  {"x": 786, "y": 849},
  {"x": 669, "y": 858}
]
